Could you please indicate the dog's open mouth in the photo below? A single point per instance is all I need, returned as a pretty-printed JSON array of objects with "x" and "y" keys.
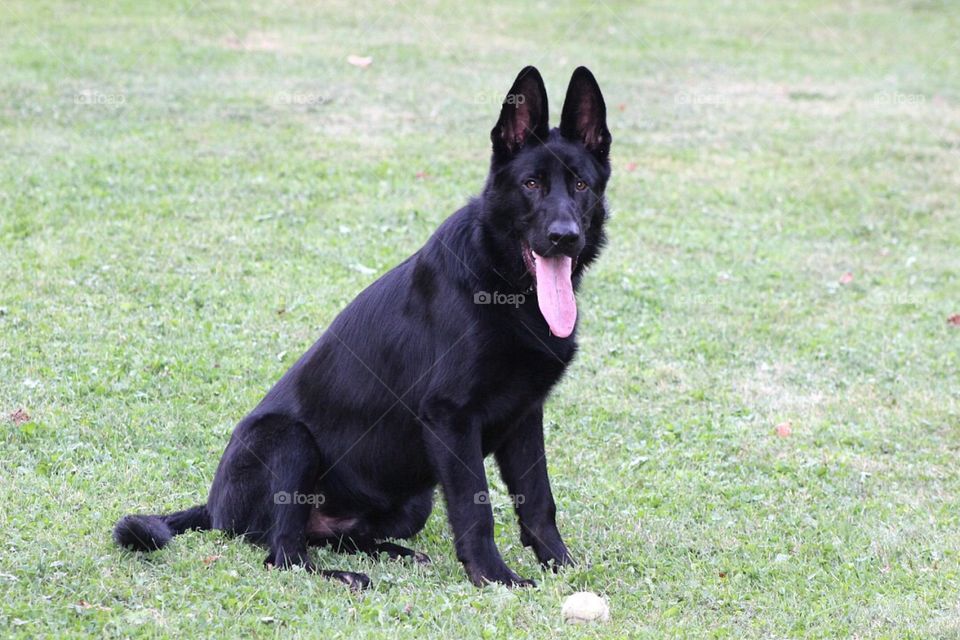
[{"x": 554, "y": 285}]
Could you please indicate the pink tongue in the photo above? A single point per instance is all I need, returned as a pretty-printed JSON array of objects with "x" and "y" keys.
[{"x": 555, "y": 294}]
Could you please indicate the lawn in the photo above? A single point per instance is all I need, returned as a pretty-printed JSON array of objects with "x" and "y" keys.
[{"x": 759, "y": 437}]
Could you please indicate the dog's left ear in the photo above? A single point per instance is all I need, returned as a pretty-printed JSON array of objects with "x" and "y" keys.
[
  {"x": 523, "y": 117},
  {"x": 584, "y": 116}
]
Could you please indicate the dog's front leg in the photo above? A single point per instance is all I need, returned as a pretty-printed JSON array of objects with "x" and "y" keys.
[
  {"x": 523, "y": 466},
  {"x": 457, "y": 459}
]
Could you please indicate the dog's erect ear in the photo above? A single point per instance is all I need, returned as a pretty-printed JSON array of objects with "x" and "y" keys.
[
  {"x": 584, "y": 116},
  {"x": 523, "y": 118}
]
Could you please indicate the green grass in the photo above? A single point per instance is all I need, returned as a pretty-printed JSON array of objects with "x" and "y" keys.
[{"x": 189, "y": 192}]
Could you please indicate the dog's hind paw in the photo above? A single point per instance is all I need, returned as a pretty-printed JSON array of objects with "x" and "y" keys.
[{"x": 356, "y": 581}]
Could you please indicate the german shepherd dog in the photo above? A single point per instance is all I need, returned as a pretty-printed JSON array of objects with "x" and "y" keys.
[{"x": 445, "y": 359}]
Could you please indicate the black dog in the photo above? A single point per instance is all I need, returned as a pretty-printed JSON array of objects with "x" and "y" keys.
[{"x": 445, "y": 359}]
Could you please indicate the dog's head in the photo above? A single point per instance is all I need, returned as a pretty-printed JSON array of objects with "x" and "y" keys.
[{"x": 546, "y": 188}]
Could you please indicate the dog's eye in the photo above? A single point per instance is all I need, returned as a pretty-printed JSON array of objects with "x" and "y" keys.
[
  {"x": 581, "y": 185},
  {"x": 531, "y": 184}
]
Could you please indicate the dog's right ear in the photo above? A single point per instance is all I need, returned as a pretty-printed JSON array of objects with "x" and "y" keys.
[{"x": 523, "y": 118}]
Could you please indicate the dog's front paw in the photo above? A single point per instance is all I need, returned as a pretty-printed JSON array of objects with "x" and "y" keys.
[
  {"x": 555, "y": 557},
  {"x": 492, "y": 572},
  {"x": 549, "y": 548}
]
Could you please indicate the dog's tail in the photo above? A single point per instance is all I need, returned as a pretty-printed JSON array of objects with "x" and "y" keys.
[{"x": 149, "y": 533}]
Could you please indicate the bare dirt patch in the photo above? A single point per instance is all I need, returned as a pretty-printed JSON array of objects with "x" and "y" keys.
[{"x": 253, "y": 41}]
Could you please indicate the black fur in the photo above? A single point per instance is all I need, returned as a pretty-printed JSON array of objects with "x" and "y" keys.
[
  {"x": 149, "y": 533},
  {"x": 414, "y": 383}
]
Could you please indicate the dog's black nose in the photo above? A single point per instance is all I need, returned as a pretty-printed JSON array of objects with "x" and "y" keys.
[{"x": 563, "y": 233}]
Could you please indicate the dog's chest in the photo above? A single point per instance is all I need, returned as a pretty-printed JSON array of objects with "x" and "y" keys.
[{"x": 515, "y": 379}]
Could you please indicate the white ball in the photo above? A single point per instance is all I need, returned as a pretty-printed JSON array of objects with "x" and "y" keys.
[{"x": 585, "y": 606}]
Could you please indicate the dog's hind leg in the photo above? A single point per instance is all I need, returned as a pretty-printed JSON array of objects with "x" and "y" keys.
[{"x": 266, "y": 482}]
